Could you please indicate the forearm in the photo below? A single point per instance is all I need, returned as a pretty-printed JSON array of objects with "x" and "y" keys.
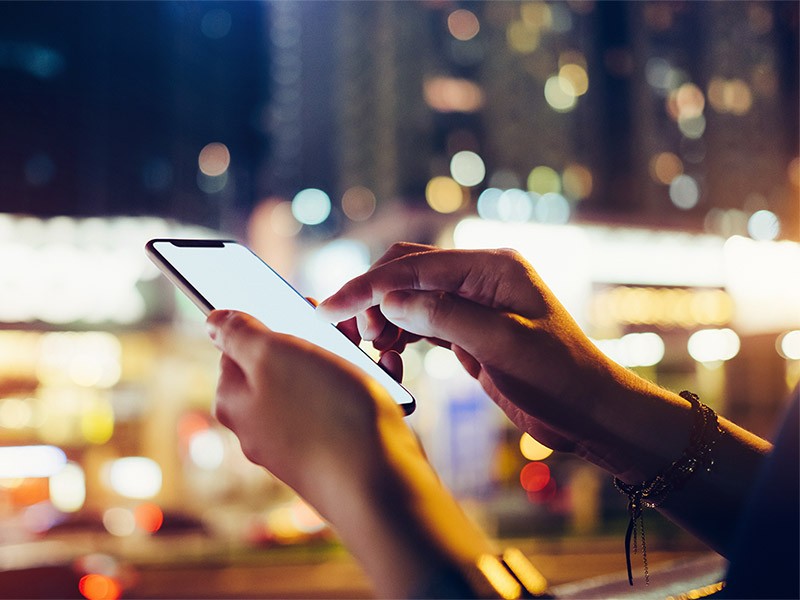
[
  {"x": 654, "y": 432},
  {"x": 401, "y": 524}
]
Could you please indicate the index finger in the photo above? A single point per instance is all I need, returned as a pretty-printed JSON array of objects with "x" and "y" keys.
[{"x": 497, "y": 278}]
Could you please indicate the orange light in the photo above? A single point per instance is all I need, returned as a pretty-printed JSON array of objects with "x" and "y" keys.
[
  {"x": 149, "y": 517},
  {"x": 99, "y": 587},
  {"x": 534, "y": 476}
]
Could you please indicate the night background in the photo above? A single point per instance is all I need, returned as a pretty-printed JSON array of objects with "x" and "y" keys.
[{"x": 643, "y": 156}]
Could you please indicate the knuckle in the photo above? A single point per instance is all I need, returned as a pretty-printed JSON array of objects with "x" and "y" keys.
[{"x": 438, "y": 307}]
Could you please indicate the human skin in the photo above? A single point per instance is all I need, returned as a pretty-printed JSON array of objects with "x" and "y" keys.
[
  {"x": 510, "y": 332},
  {"x": 336, "y": 437}
]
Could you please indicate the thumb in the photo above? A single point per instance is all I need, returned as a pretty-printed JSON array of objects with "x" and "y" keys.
[
  {"x": 238, "y": 335},
  {"x": 483, "y": 332}
]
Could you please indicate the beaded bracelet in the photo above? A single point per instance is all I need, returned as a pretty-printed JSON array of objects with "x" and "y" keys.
[{"x": 650, "y": 494}]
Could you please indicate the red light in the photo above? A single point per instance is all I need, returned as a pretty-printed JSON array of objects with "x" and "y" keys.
[
  {"x": 99, "y": 587},
  {"x": 149, "y": 517},
  {"x": 534, "y": 476}
]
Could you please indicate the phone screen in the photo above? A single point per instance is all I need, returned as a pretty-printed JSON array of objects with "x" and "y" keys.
[{"x": 221, "y": 274}]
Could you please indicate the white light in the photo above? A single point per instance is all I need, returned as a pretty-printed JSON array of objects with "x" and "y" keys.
[
  {"x": 552, "y": 208},
  {"x": 135, "y": 477},
  {"x": 634, "y": 349},
  {"x": 19, "y": 462},
  {"x": 207, "y": 450},
  {"x": 120, "y": 522},
  {"x": 560, "y": 94},
  {"x": 68, "y": 488},
  {"x": 467, "y": 168},
  {"x": 331, "y": 266},
  {"x": 763, "y": 225},
  {"x": 789, "y": 345},
  {"x": 441, "y": 363},
  {"x": 488, "y": 203},
  {"x": 515, "y": 205},
  {"x": 713, "y": 345},
  {"x": 311, "y": 206},
  {"x": 684, "y": 192}
]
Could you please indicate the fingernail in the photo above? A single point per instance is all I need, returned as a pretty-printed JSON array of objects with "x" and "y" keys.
[{"x": 212, "y": 326}]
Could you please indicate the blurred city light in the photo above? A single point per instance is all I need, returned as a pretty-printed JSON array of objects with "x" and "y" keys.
[
  {"x": 713, "y": 345},
  {"x": 68, "y": 488},
  {"x": 214, "y": 159},
  {"x": 634, "y": 349},
  {"x": 99, "y": 587},
  {"x": 729, "y": 96},
  {"x": 665, "y": 166},
  {"x": 441, "y": 364},
  {"x": 120, "y": 522},
  {"x": 135, "y": 477},
  {"x": 444, "y": 195},
  {"x": 311, "y": 206},
  {"x": 358, "y": 203},
  {"x": 467, "y": 168},
  {"x": 463, "y": 24},
  {"x": 20, "y": 462},
  {"x": 552, "y": 208},
  {"x": 789, "y": 345},
  {"x": 206, "y": 449},
  {"x": 576, "y": 76},
  {"x": 763, "y": 225},
  {"x": 684, "y": 192},
  {"x": 560, "y": 94},
  {"x": 333, "y": 264},
  {"x": 577, "y": 181},
  {"x": 149, "y": 517},
  {"x": 533, "y": 449},
  {"x": 543, "y": 180},
  {"x": 516, "y": 205},
  {"x": 534, "y": 476},
  {"x": 449, "y": 94}
]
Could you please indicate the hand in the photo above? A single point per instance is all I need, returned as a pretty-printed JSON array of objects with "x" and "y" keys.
[
  {"x": 298, "y": 409},
  {"x": 333, "y": 434},
  {"x": 508, "y": 331}
]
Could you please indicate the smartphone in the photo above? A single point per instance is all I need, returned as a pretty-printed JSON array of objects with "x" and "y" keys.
[{"x": 224, "y": 274}]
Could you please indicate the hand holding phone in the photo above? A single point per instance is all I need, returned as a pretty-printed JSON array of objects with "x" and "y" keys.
[{"x": 224, "y": 274}]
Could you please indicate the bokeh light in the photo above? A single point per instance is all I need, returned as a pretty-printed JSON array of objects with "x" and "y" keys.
[
  {"x": 149, "y": 517},
  {"x": 665, "y": 166},
  {"x": 543, "y": 180},
  {"x": 560, "y": 94},
  {"x": 444, "y": 195},
  {"x": 206, "y": 449},
  {"x": 311, "y": 206},
  {"x": 536, "y": 14},
  {"x": 358, "y": 203},
  {"x": 119, "y": 521},
  {"x": 534, "y": 476},
  {"x": 552, "y": 208},
  {"x": 99, "y": 587},
  {"x": 214, "y": 159},
  {"x": 449, "y": 94},
  {"x": 713, "y": 345},
  {"x": 577, "y": 181},
  {"x": 463, "y": 24},
  {"x": 135, "y": 477},
  {"x": 532, "y": 449},
  {"x": 764, "y": 225},
  {"x": 788, "y": 345},
  {"x": 19, "y": 462},
  {"x": 684, "y": 192},
  {"x": 576, "y": 76},
  {"x": 522, "y": 38},
  {"x": 516, "y": 205},
  {"x": 68, "y": 488},
  {"x": 730, "y": 96},
  {"x": 467, "y": 168}
]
